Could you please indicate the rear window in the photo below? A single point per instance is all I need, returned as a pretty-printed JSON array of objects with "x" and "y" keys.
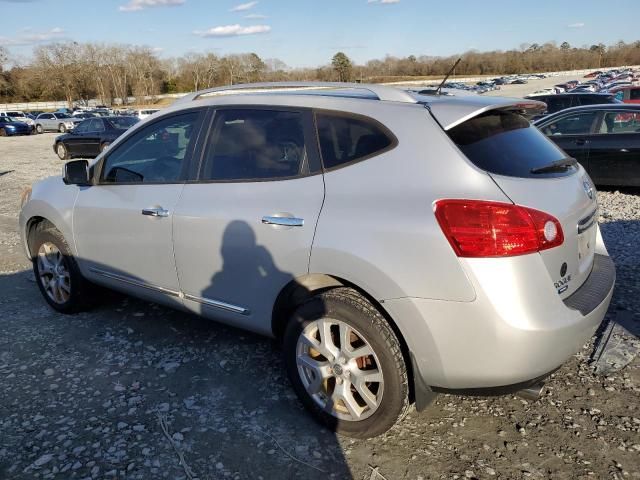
[
  {"x": 505, "y": 143},
  {"x": 345, "y": 138},
  {"x": 596, "y": 99}
]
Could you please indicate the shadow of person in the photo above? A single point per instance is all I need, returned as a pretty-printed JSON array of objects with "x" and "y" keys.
[{"x": 245, "y": 264}]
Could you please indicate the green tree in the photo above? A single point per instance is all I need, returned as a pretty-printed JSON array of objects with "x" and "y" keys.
[
  {"x": 565, "y": 46},
  {"x": 343, "y": 66}
]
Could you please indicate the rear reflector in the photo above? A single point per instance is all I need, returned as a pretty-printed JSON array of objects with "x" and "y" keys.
[{"x": 476, "y": 228}]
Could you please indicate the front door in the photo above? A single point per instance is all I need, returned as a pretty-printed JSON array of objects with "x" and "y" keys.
[
  {"x": 245, "y": 229},
  {"x": 614, "y": 157},
  {"x": 123, "y": 224}
]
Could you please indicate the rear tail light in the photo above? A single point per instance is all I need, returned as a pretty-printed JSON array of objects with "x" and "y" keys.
[{"x": 476, "y": 228}]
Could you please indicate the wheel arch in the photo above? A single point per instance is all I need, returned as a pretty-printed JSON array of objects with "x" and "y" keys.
[{"x": 306, "y": 286}]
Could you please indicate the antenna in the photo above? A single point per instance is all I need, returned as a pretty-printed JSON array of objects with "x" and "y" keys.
[{"x": 446, "y": 77}]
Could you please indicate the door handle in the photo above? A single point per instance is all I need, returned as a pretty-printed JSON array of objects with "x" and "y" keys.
[
  {"x": 581, "y": 141},
  {"x": 283, "y": 221},
  {"x": 155, "y": 212}
]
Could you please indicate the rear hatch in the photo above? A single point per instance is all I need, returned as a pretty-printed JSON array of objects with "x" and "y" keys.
[{"x": 533, "y": 172}]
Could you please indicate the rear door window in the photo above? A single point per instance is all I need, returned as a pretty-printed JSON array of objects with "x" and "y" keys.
[
  {"x": 620, "y": 122},
  {"x": 557, "y": 103},
  {"x": 574, "y": 124},
  {"x": 346, "y": 138},
  {"x": 505, "y": 143}
]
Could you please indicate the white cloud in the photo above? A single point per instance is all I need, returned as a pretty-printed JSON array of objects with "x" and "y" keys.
[
  {"x": 137, "y": 5},
  {"x": 255, "y": 16},
  {"x": 232, "y": 31},
  {"x": 30, "y": 37},
  {"x": 576, "y": 25},
  {"x": 244, "y": 6}
]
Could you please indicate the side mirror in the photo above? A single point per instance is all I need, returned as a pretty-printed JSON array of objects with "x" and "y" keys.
[{"x": 76, "y": 172}]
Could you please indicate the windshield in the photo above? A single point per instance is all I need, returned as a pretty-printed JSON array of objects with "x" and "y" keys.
[
  {"x": 62, "y": 115},
  {"x": 123, "y": 122},
  {"x": 15, "y": 114},
  {"x": 505, "y": 143}
]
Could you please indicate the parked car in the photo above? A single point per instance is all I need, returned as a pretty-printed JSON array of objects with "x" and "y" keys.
[
  {"x": 19, "y": 116},
  {"x": 144, "y": 113},
  {"x": 10, "y": 127},
  {"x": 562, "y": 101},
  {"x": 626, "y": 94},
  {"x": 394, "y": 250},
  {"x": 605, "y": 139},
  {"x": 593, "y": 74},
  {"x": 91, "y": 137},
  {"x": 56, "y": 121},
  {"x": 519, "y": 81}
]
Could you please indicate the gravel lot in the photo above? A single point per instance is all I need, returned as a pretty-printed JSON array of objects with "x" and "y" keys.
[{"x": 134, "y": 390}]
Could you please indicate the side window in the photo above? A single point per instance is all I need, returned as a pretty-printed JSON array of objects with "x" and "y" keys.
[
  {"x": 634, "y": 94},
  {"x": 347, "y": 138},
  {"x": 156, "y": 154},
  {"x": 620, "y": 95},
  {"x": 620, "y": 122},
  {"x": 82, "y": 127},
  {"x": 96, "y": 125},
  {"x": 248, "y": 144},
  {"x": 577, "y": 124}
]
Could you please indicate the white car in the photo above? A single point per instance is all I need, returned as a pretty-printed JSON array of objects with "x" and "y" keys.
[
  {"x": 141, "y": 114},
  {"x": 19, "y": 116}
]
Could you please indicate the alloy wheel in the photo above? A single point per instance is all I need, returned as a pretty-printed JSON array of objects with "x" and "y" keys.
[
  {"x": 53, "y": 271},
  {"x": 339, "y": 369}
]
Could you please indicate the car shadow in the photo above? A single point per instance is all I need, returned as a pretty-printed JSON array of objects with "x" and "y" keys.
[{"x": 210, "y": 394}]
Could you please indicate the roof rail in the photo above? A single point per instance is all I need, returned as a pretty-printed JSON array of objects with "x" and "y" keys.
[{"x": 383, "y": 92}]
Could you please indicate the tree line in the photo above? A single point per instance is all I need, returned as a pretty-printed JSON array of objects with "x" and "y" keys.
[{"x": 81, "y": 71}]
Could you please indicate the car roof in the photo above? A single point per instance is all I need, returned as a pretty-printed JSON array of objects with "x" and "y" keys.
[
  {"x": 448, "y": 110},
  {"x": 586, "y": 108}
]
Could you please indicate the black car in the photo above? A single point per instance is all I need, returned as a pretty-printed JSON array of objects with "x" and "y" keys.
[
  {"x": 605, "y": 139},
  {"x": 91, "y": 136},
  {"x": 561, "y": 101}
]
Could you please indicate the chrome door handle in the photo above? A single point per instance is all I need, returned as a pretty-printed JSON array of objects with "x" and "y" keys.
[
  {"x": 155, "y": 212},
  {"x": 283, "y": 221}
]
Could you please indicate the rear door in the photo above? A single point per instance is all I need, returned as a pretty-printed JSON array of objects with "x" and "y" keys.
[
  {"x": 512, "y": 151},
  {"x": 571, "y": 133},
  {"x": 244, "y": 229},
  {"x": 614, "y": 157}
]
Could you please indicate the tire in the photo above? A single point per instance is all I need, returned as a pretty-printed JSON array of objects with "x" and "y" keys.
[
  {"x": 103, "y": 146},
  {"x": 62, "y": 128},
  {"x": 70, "y": 292},
  {"x": 39, "y": 129},
  {"x": 3, "y": 133},
  {"x": 345, "y": 310},
  {"x": 61, "y": 150}
]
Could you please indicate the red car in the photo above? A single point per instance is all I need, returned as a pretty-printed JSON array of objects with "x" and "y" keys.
[
  {"x": 593, "y": 74},
  {"x": 627, "y": 93}
]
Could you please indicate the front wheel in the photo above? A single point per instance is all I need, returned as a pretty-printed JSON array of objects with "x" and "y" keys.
[
  {"x": 346, "y": 365},
  {"x": 56, "y": 271},
  {"x": 62, "y": 128},
  {"x": 62, "y": 151},
  {"x": 3, "y": 133},
  {"x": 39, "y": 129}
]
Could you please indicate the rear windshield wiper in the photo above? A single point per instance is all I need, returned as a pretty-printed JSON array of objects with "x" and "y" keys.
[{"x": 557, "y": 166}]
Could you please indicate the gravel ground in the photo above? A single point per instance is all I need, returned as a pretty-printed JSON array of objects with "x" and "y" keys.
[{"x": 133, "y": 390}]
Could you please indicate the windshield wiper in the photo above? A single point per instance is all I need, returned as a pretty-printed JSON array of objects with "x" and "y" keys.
[{"x": 557, "y": 166}]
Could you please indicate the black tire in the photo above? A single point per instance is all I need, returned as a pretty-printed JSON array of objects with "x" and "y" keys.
[
  {"x": 61, "y": 150},
  {"x": 348, "y": 306},
  {"x": 62, "y": 128},
  {"x": 2, "y": 132},
  {"x": 81, "y": 290},
  {"x": 39, "y": 129}
]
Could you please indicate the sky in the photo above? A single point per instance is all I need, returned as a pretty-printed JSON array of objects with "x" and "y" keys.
[{"x": 306, "y": 33}]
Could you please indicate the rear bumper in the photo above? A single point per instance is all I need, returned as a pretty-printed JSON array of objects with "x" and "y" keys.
[{"x": 516, "y": 330}]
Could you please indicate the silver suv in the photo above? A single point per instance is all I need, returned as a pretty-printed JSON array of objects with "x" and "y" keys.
[
  {"x": 56, "y": 121},
  {"x": 398, "y": 245}
]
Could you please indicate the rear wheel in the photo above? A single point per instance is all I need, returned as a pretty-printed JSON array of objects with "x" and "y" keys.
[
  {"x": 56, "y": 271},
  {"x": 62, "y": 151},
  {"x": 62, "y": 128},
  {"x": 39, "y": 129},
  {"x": 345, "y": 363}
]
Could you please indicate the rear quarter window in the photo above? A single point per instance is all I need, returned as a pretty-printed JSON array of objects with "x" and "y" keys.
[
  {"x": 505, "y": 143},
  {"x": 348, "y": 138}
]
